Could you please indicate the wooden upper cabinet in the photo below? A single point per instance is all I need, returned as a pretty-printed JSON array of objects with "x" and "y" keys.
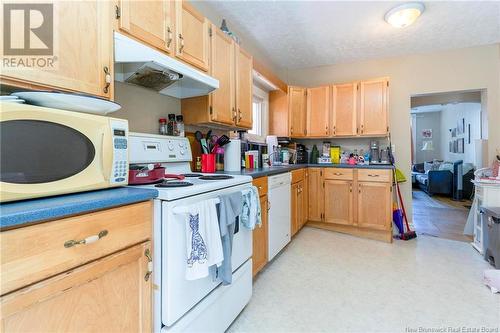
[
  {"x": 192, "y": 28},
  {"x": 110, "y": 294},
  {"x": 297, "y": 111},
  {"x": 223, "y": 102},
  {"x": 278, "y": 113},
  {"x": 338, "y": 201},
  {"x": 84, "y": 56},
  {"x": 244, "y": 84},
  {"x": 374, "y": 205},
  {"x": 316, "y": 197},
  {"x": 150, "y": 21},
  {"x": 344, "y": 98},
  {"x": 318, "y": 110},
  {"x": 373, "y": 107}
]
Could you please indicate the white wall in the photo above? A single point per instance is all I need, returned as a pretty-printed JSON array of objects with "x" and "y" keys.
[
  {"x": 454, "y": 70},
  {"x": 432, "y": 121},
  {"x": 450, "y": 115}
]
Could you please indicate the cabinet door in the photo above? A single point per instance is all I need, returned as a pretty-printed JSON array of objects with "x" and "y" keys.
[
  {"x": 278, "y": 113},
  {"x": 107, "y": 295},
  {"x": 244, "y": 84},
  {"x": 305, "y": 199},
  {"x": 315, "y": 194},
  {"x": 150, "y": 21},
  {"x": 222, "y": 68},
  {"x": 374, "y": 205},
  {"x": 344, "y": 109},
  {"x": 338, "y": 201},
  {"x": 83, "y": 57},
  {"x": 295, "y": 211},
  {"x": 373, "y": 107},
  {"x": 260, "y": 239},
  {"x": 297, "y": 111},
  {"x": 192, "y": 36},
  {"x": 318, "y": 110}
]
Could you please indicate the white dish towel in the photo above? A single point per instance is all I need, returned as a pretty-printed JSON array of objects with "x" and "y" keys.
[{"x": 203, "y": 241}]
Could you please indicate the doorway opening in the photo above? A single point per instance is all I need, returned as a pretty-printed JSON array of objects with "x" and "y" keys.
[{"x": 448, "y": 144}]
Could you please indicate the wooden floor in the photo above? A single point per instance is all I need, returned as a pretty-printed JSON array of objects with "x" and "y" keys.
[{"x": 440, "y": 216}]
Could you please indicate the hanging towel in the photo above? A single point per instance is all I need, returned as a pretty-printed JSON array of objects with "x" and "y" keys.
[
  {"x": 230, "y": 208},
  {"x": 203, "y": 241},
  {"x": 251, "y": 215}
]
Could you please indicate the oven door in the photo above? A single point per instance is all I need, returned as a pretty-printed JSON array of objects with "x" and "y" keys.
[
  {"x": 47, "y": 152},
  {"x": 178, "y": 294}
]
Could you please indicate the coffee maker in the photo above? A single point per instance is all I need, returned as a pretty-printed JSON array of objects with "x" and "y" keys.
[
  {"x": 300, "y": 154},
  {"x": 374, "y": 152}
]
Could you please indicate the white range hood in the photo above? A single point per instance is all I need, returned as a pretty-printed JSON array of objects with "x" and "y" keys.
[{"x": 139, "y": 64}]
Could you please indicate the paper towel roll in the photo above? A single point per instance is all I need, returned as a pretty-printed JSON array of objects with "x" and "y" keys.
[{"x": 232, "y": 155}]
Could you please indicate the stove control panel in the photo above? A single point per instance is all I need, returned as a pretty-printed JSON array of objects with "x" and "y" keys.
[{"x": 151, "y": 148}]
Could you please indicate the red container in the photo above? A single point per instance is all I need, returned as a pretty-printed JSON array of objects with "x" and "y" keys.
[{"x": 208, "y": 163}]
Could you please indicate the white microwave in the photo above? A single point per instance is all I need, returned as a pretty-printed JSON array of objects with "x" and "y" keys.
[{"x": 48, "y": 152}]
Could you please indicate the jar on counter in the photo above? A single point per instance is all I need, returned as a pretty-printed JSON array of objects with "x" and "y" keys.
[
  {"x": 163, "y": 126},
  {"x": 219, "y": 159},
  {"x": 180, "y": 126},
  {"x": 171, "y": 125}
]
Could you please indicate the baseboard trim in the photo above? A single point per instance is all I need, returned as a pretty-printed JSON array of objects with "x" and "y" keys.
[{"x": 379, "y": 235}]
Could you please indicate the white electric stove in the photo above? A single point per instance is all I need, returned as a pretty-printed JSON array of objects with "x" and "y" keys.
[{"x": 203, "y": 305}]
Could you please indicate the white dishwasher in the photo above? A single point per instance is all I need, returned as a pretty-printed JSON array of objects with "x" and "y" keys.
[{"x": 279, "y": 196}]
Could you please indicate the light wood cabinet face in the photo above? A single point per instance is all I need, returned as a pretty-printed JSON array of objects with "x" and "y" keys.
[
  {"x": 373, "y": 107},
  {"x": 278, "y": 113},
  {"x": 297, "y": 111},
  {"x": 244, "y": 84},
  {"x": 222, "y": 68},
  {"x": 192, "y": 41},
  {"x": 260, "y": 238},
  {"x": 318, "y": 110},
  {"x": 374, "y": 205},
  {"x": 150, "y": 21},
  {"x": 338, "y": 201},
  {"x": 344, "y": 109},
  {"x": 305, "y": 199},
  {"x": 296, "y": 209},
  {"x": 107, "y": 295},
  {"x": 83, "y": 43},
  {"x": 316, "y": 194}
]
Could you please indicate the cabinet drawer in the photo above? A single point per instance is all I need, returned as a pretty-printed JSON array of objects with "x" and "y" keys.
[
  {"x": 339, "y": 173},
  {"x": 261, "y": 184},
  {"x": 374, "y": 175},
  {"x": 298, "y": 175},
  {"x": 33, "y": 253}
]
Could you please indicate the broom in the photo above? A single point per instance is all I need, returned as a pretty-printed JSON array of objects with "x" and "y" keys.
[{"x": 400, "y": 177}]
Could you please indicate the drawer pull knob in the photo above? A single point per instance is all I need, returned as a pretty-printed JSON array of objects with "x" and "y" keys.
[
  {"x": 88, "y": 240},
  {"x": 147, "y": 253},
  {"x": 337, "y": 174},
  {"x": 369, "y": 175}
]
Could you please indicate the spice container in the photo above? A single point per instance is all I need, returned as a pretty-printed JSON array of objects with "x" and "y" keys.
[
  {"x": 219, "y": 159},
  {"x": 171, "y": 124},
  {"x": 163, "y": 126},
  {"x": 180, "y": 126}
]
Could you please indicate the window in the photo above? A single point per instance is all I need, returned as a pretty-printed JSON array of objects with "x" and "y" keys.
[{"x": 260, "y": 103}]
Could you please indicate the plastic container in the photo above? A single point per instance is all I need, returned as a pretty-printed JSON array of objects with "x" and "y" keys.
[
  {"x": 208, "y": 163},
  {"x": 180, "y": 126},
  {"x": 219, "y": 159},
  {"x": 163, "y": 126},
  {"x": 171, "y": 125}
]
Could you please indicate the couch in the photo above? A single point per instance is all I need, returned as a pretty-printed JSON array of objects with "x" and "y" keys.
[{"x": 432, "y": 181}]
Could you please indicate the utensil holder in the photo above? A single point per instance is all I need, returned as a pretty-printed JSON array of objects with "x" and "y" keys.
[{"x": 208, "y": 163}]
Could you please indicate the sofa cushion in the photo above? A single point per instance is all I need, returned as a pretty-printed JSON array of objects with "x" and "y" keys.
[{"x": 422, "y": 178}]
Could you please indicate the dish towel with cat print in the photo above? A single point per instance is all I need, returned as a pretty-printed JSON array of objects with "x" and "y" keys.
[{"x": 203, "y": 241}]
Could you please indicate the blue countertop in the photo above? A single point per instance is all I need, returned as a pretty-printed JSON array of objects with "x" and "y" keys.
[
  {"x": 274, "y": 170},
  {"x": 20, "y": 213}
]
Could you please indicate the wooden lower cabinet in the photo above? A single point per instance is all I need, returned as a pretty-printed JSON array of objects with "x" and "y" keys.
[
  {"x": 374, "y": 205},
  {"x": 316, "y": 196},
  {"x": 338, "y": 201},
  {"x": 260, "y": 234},
  {"x": 107, "y": 295},
  {"x": 297, "y": 206}
]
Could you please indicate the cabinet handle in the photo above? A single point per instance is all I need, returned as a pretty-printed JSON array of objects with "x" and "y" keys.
[
  {"x": 107, "y": 79},
  {"x": 239, "y": 115},
  {"x": 169, "y": 37},
  {"x": 350, "y": 188},
  {"x": 338, "y": 174},
  {"x": 181, "y": 42},
  {"x": 147, "y": 253},
  {"x": 362, "y": 129},
  {"x": 260, "y": 187},
  {"x": 334, "y": 130},
  {"x": 370, "y": 175},
  {"x": 268, "y": 206},
  {"x": 88, "y": 240},
  {"x": 291, "y": 130},
  {"x": 234, "y": 114}
]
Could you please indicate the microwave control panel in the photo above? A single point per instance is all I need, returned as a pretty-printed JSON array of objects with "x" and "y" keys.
[{"x": 119, "y": 171}]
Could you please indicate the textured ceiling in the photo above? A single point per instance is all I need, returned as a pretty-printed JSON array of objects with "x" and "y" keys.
[{"x": 298, "y": 34}]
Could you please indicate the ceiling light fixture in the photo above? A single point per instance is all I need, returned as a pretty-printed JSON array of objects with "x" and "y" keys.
[{"x": 403, "y": 15}]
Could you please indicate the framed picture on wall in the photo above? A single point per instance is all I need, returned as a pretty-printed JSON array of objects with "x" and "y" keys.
[
  {"x": 460, "y": 146},
  {"x": 427, "y": 133},
  {"x": 450, "y": 144},
  {"x": 453, "y": 132},
  {"x": 455, "y": 146}
]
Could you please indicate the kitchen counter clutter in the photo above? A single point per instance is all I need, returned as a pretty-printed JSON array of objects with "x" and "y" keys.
[
  {"x": 274, "y": 170},
  {"x": 22, "y": 213}
]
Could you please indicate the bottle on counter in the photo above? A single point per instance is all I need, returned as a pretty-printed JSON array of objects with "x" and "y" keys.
[
  {"x": 219, "y": 159},
  {"x": 171, "y": 125},
  {"x": 180, "y": 126},
  {"x": 163, "y": 126},
  {"x": 198, "y": 163}
]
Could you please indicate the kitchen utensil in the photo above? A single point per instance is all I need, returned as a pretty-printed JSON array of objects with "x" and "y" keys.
[
  {"x": 223, "y": 140},
  {"x": 204, "y": 146},
  {"x": 69, "y": 102},
  {"x": 198, "y": 136}
]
